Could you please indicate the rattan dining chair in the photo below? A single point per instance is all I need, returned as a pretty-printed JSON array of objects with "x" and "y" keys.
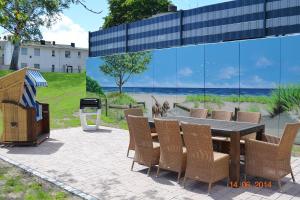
[
  {"x": 135, "y": 112},
  {"x": 146, "y": 152},
  {"x": 221, "y": 143},
  {"x": 252, "y": 117},
  {"x": 203, "y": 164},
  {"x": 172, "y": 152},
  {"x": 221, "y": 115},
  {"x": 271, "y": 158},
  {"x": 198, "y": 112}
]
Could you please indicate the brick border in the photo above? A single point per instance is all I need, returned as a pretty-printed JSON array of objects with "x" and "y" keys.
[{"x": 46, "y": 178}]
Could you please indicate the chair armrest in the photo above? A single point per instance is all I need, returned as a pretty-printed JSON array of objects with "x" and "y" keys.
[
  {"x": 271, "y": 139},
  {"x": 261, "y": 148}
]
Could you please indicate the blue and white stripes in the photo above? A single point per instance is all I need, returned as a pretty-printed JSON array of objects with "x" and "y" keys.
[
  {"x": 234, "y": 20},
  {"x": 32, "y": 80}
]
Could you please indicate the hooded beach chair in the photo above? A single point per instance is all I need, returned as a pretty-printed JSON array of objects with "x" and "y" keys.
[{"x": 25, "y": 120}]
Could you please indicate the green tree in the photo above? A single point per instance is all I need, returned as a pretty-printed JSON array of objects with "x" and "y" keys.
[
  {"x": 93, "y": 86},
  {"x": 24, "y": 18},
  {"x": 125, "y": 11},
  {"x": 122, "y": 66}
]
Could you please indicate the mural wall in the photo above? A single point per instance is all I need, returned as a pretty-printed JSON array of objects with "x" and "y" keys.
[{"x": 260, "y": 75}]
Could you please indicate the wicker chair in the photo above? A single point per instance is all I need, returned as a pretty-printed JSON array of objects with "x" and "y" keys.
[
  {"x": 198, "y": 112},
  {"x": 135, "y": 112},
  {"x": 271, "y": 158},
  {"x": 221, "y": 115},
  {"x": 172, "y": 152},
  {"x": 252, "y": 117},
  {"x": 146, "y": 151},
  {"x": 203, "y": 164},
  {"x": 221, "y": 143}
]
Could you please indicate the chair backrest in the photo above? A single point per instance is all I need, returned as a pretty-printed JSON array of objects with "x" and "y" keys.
[
  {"x": 287, "y": 139},
  {"x": 198, "y": 142},
  {"x": 221, "y": 115},
  {"x": 133, "y": 111},
  {"x": 198, "y": 112},
  {"x": 252, "y": 117},
  {"x": 168, "y": 131},
  {"x": 170, "y": 143},
  {"x": 140, "y": 131}
]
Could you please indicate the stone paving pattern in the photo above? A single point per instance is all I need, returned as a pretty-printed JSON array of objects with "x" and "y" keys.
[{"x": 96, "y": 164}]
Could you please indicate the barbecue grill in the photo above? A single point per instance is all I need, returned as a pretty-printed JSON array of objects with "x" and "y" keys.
[{"x": 90, "y": 107}]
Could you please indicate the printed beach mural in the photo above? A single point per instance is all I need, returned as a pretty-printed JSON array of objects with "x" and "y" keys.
[{"x": 261, "y": 75}]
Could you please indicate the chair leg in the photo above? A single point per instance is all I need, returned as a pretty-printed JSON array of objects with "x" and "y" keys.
[
  {"x": 228, "y": 181},
  {"x": 184, "y": 181},
  {"x": 157, "y": 172},
  {"x": 279, "y": 185},
  {"x": 178, "y": 178},
  {"x": 127, "y": 152},
  {"x": 293, "y": 176},
  {"x": 132, "y": 165},
  {"x": 149, "y": 170},
  {"x": 209, "y": 188}
]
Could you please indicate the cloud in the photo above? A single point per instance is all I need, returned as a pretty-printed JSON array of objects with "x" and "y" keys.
[
  {"x": 263, "y": 62},
  {"x": 228, "y": 73},
  {"x": 258, "y": 82},
  {"x": 185, "y": 72},
  {"x": 66, "y": 31},
  {"x": 221, "y": 85}
]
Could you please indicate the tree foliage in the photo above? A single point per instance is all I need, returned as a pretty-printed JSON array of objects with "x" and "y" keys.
[
  {"x": 122, "y": 66},
  {"x": 125, "y": 11},
  {"x": 24, "y": 18}
]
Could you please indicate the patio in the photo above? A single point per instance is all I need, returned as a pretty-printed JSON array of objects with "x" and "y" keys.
[{"x": 95, "y": 163}]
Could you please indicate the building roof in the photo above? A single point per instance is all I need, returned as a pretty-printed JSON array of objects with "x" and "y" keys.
[
  {"x": 51, "y": 45},
  {"x": 48, "y": 44}
]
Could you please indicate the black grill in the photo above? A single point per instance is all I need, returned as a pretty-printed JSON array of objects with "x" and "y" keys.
[{"x": 90, "y": 103}]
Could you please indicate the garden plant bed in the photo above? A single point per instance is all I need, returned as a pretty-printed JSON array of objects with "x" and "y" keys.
[{"x": 17, "y": 184}]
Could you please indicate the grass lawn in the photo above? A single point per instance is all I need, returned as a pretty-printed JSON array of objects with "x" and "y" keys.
[
  {"x": 15, "y": 184},
  {"x": 63, "y": 94}
]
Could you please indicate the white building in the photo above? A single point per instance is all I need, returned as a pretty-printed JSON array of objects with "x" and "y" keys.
[{"x": 46, "y": 56}]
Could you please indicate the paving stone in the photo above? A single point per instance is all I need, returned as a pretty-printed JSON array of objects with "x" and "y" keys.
[{"x": 94, "y": 165}]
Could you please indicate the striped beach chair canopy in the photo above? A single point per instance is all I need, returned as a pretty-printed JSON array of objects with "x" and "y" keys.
[{"x": 33, "y": 79}]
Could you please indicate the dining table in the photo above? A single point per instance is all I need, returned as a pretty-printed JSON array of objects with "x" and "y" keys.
[{"x": 231, "y": 129}]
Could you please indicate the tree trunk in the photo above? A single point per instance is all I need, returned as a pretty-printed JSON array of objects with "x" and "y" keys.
[
  {"x": 15, "y": 57},
  {"x": 120, "y": 89}
]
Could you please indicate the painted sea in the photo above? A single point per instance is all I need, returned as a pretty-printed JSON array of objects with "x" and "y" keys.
[{"x": 191, "y": 91}]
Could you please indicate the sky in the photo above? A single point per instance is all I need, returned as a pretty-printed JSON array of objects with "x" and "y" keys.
[
  {"x": 263, "y": 63},
  {"x": 76, "y": 21}
]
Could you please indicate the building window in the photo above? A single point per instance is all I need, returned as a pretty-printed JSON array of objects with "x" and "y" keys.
[
  {"x": 79, "y": 54},
  {"x": 37, "y": 66},
  {"x": 23, "y": 51},
  {"x": 37, "y": 52},
  {"x": 23, "y": 65},
  {"x": 53, "y": 68},
  {"x": 67, "y": 54},
  {"x": 53, "y": 53}
]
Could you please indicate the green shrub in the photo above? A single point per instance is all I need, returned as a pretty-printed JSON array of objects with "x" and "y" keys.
[
  {"x": 284, "y": 99},
  {"x": 120, "y": 99}
]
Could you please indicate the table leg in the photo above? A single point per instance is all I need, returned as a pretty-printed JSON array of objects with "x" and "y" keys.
[{"x": 234, "y": 168}]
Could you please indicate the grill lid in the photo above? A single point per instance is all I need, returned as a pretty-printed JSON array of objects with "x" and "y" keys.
[{"x": 90, "y": 103}]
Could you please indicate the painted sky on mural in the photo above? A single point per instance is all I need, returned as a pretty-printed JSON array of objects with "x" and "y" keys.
[{"x": 262, "y": 65}]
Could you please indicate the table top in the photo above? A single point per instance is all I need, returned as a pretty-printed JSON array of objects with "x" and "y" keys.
[{"x": 220, "y": 127}]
